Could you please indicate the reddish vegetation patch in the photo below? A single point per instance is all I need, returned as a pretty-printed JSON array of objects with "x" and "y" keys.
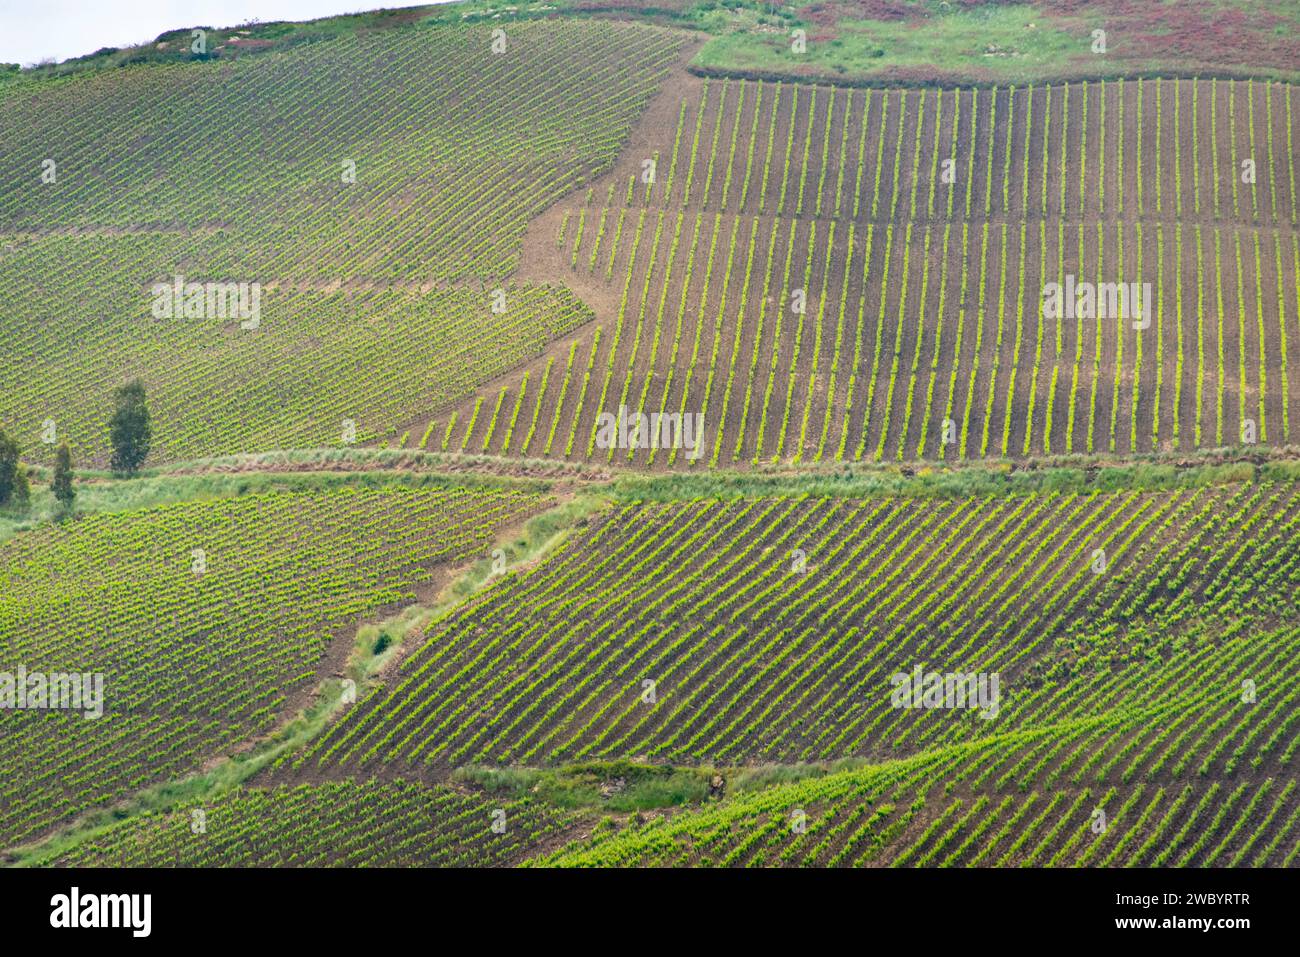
[
  {"x": 1194, "y": 31},
  {"x": 830, "y": 12},
  {"x": 631, "y": 6}
]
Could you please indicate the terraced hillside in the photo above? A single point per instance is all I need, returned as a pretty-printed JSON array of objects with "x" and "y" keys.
[{"x": 946, "y": 576}]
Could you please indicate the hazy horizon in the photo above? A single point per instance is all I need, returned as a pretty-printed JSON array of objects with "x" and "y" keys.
[{"x": 61, "y": 29}]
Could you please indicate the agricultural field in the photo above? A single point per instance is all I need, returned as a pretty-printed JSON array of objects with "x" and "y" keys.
[
  {"x": 205, "y": 620},
  {"x": 1143, "y": 636},
  {"x": 344, "y": 824},
  {"x": 376, "y": 228},
  {"x": 1019, "y": 801},
  {"x": 291, "y": 384},
  {"x": 569, "y": 435},
  {"x": 918, "y": 42},
  {"x": 800, "y": 275},
  {"x": 769, "y": 630}
]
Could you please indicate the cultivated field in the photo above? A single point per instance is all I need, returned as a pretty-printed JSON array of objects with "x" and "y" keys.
[
  {"x": 1154, "y": 688},
  {"x": 800, "y": 273},
  {"x": 384, "y": 594},
  {"x": 377, "y": 226},
  {"x": 345, "y": 824},
  {"x": 197, "y": 662},
  {"x": 770, "y": 630}
]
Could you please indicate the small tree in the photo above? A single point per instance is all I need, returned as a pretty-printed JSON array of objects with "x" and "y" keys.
[
  {"x": 129, "y": 429},
  {"x": 9, "y": 468},
  {"x": 22, "y": 489},
  {"x": 61, "y": 484}
]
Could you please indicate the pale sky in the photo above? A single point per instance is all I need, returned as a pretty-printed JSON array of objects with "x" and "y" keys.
[{"x": 35, "y": 30}]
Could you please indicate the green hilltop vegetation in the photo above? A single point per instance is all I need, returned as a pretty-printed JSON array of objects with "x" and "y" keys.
[{"x": 955, "y": 41}]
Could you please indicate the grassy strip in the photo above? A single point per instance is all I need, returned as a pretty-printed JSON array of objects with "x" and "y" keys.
[
  {"x": 630, "y": 786},
  {"x": 994, "y": 479},
  {"x": 98, "y": 492}
]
